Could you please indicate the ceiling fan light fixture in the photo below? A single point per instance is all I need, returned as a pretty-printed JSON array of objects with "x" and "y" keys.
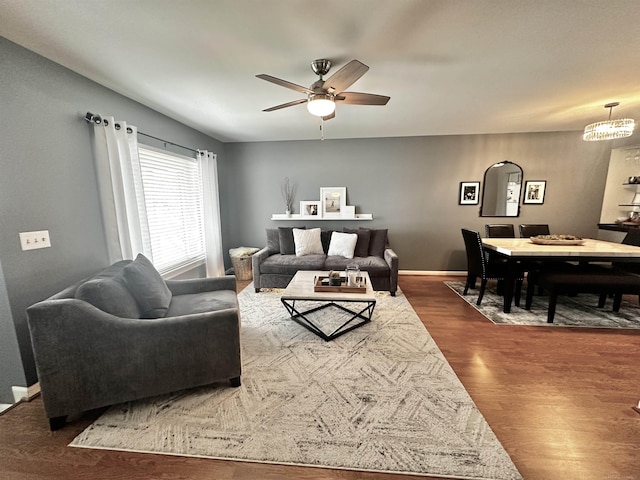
[
  {"x": 320, "y": 104},
  {"x": 609, "y": 129}
]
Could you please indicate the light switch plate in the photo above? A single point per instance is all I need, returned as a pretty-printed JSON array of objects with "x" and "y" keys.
[{"x": 33, "y": 240}]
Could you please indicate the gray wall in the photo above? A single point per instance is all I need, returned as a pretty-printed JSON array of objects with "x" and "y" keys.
[
  {"x": 11, "y": 370},
  {"x": 47, "y": 178},
  {"x": 410, "y": 185}
]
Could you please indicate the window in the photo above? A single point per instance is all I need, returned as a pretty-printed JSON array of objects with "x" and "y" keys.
[{"x": 172, "y": 189}]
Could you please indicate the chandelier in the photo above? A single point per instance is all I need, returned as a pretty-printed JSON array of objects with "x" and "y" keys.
[{"x": 609, "y": 129}]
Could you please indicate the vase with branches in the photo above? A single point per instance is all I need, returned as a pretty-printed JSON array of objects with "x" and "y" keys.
[{"x": 287, "y": 189}]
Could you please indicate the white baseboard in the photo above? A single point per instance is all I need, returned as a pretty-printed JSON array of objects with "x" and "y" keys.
[
  {"x": 442, "y": 273},
  {"x": 25, "y": 393},
  {"x": 19, "y": 393},
  {"x": 4, "y": 406}
]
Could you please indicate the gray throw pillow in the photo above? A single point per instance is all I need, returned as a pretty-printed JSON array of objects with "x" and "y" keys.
[
  {"x": 109, "y": 295},
  {"x": 148, "y": 287},
  {"x": 378, "y": 242},
  {"x": 287, "y": 245},
  {"x": 273, "y": 240},
  {"x": 362, "y": 245}
]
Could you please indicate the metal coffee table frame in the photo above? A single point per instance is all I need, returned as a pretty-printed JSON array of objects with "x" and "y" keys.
[{"x": 301, "y": 290}]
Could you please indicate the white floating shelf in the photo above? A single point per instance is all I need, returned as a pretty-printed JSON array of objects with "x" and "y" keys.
[{"x": 296, "y": 217}]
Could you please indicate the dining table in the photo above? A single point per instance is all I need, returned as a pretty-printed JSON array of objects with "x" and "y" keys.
[{"x": 518, "y": 250}]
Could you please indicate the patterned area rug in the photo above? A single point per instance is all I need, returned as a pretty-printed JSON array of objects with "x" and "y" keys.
[
  {"x": 380, "y": 398},
  {"x": 579, "y": 311}
]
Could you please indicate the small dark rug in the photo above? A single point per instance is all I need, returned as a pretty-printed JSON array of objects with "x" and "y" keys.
[{"x": 580, "y": 311}]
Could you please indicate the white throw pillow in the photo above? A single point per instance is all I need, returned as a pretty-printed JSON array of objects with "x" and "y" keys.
[
  {"x": 307, "y": 242},
  {"x": 343, "y": 244}
]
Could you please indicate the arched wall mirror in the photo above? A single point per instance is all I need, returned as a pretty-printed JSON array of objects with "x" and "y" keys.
[{"x": 501, "y": 190}]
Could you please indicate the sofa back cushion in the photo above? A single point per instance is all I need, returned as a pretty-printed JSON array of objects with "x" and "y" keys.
[
  {"x": 148, "y": 287},
  {"x": 362, "y": 245},
  {"x": 273, "y": 241},
  {"x": 378, "y": 242},
  {"x": 287, "y": 244},
  {"x": 109, "y": 294}
]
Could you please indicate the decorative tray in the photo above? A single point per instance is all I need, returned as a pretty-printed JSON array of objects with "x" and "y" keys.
[
  {"x": 557, "y": 240},
  {"x": 321, "y": 284}
]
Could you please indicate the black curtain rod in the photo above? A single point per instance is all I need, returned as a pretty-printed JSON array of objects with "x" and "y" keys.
[
  {"x": 97, "y": 119},
  {"x": 170, "y": 143}
]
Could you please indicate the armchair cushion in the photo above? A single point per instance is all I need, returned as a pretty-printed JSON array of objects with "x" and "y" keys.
[
  {"x": 109, "y": 295},
  {"x": 148, "y": 287},
  {"x": 202, "y": 302}
]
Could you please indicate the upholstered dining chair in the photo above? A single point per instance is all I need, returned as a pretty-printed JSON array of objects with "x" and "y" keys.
[
  {"x": 532, "y": 229},
  {"x": 499, "y": 230},
  {"x": 479, "y": 267}
]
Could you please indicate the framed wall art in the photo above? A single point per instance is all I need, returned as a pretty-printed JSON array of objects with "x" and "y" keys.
[
  {"x": 333, "y": 201},
  {"x": 311, "y": 208},
  {"x": 469, "y": 193},
  {"x": 534, "y": 191}
]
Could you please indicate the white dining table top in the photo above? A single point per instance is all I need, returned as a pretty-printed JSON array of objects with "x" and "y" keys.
[{"x": 524, "y": 247}]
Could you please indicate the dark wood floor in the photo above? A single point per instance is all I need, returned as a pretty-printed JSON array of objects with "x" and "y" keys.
[{"x": 559, "y": 400}]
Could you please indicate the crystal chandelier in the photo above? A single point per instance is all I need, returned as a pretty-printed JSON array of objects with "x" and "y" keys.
[{"x": 610, "y": 129}]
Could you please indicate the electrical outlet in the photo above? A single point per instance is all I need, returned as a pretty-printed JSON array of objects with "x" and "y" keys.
[{"x": 33, "y": 240}]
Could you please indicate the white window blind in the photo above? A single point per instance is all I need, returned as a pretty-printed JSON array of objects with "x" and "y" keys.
[{"x": 172, "y": 186}]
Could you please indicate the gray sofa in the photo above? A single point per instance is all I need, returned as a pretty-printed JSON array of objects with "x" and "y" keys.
[
  {"x": 126, "y": 334},
  {"x": 275, "y": 265}
]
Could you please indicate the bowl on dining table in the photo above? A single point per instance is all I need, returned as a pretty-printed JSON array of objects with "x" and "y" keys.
[{"x": 557, "y": 240}]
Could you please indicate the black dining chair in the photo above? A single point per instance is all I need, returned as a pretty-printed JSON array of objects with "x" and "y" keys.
[
  {"x": 499, "y": 230},
  {"x": 533, "y": 229},
  {"x": 479, "y": 267}
]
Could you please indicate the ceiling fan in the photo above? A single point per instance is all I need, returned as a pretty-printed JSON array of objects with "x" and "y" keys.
[{"x": 322, "y": 95}]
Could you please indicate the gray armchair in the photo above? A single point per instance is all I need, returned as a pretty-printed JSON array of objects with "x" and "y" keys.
[{"x": 87, "y": 357}]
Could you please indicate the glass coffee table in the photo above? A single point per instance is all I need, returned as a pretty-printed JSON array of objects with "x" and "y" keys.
[{"x": 300, "y": 295}]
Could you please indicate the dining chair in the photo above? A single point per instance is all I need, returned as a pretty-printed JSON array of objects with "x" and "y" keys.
[
  {"x": 478, "y": 266},
  {"x": 499, "y": 230},
  {"x": 532, "y": 229}
]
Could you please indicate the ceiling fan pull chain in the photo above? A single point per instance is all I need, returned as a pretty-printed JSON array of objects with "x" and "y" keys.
[{"x": 321, "y": 128}]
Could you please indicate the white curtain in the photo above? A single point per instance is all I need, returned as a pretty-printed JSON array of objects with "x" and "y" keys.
[
  {"x": 211, "y": 207},
  {"x": 118, "y": 172}
]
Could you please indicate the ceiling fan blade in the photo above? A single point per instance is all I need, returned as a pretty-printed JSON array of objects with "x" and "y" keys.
[
  {"x": 284, "y": 83},
  {"x": 285, "y": 105},
  {"x": 355, "y": 98},
  {"x": 345, "y": 77},
  {"x": 330, "y": 116}
]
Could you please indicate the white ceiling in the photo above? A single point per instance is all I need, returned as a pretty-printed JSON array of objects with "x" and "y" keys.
[{"x": 449, "y": 66}]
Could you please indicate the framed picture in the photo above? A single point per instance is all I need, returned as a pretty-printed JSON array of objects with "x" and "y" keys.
[
  {"x": 534, "y": 191},
  {"x": 311, "y": 208},
  {"x": 333, "y": 200},
  {"x": 469, "y": 193}
]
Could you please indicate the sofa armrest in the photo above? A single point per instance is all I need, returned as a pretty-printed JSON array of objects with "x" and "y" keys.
[
  {"x": 392, "y": 260},
  {"x": 256, "y": 259},
  {"x": 87, "y": 358},
  {"x": 199, "y": 285}
]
